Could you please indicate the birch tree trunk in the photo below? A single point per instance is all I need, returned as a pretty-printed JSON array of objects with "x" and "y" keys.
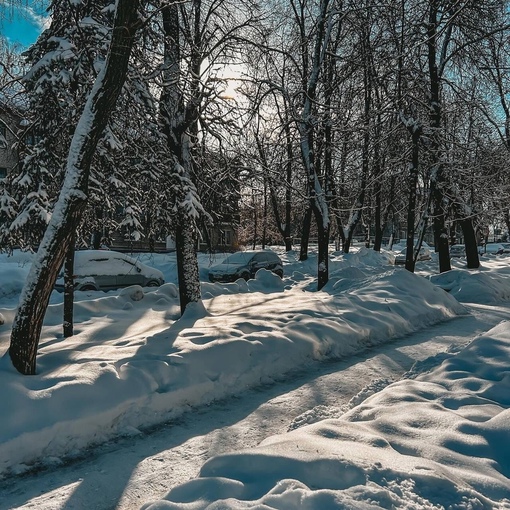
[{"x": 68, "y": 211}]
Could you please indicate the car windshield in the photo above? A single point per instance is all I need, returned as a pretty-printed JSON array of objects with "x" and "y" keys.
[{"x": 239, "y": 258}]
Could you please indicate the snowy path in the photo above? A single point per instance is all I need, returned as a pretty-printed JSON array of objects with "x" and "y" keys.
[{"x": 143, "y": 468}]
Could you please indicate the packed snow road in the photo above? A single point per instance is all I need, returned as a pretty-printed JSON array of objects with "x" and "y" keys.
[{"x": 133, "y": 471}]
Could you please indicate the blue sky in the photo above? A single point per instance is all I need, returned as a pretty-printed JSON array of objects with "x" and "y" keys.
[{"x": 22, "y": 24}]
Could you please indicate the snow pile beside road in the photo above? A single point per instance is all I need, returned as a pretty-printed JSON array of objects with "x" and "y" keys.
[
  {"x": 474, "y": 286},
  {"x": 131, "y": 364},
  {"x": 439, "y": 441}
]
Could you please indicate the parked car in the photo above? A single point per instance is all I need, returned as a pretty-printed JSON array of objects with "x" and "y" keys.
[
  {"x": 244, "y": 264},
  {"x": 457, "y": 250},
  {"x": 491, "y": 249},
  {"x": 424, "y": 254},
  {"x": 107, "y": 270}
]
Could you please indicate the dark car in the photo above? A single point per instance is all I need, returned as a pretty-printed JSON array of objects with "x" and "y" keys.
[
  {"x": 244, "y": 264},
  {"x": 107, "y": 270}
]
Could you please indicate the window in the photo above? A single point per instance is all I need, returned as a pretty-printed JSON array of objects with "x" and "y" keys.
[
  {"x": 260, "y": 257},
  {"x": 3, "y": 173}
]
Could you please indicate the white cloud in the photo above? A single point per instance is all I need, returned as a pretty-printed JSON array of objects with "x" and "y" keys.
[{"x": 33, "y": 12}]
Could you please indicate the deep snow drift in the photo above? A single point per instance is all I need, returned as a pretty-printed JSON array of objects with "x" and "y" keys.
[
  {"x": 438, "y": 441},
  {"x": 131, "y": 364}
]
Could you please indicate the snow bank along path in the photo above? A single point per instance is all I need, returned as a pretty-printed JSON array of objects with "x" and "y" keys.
[
  {"x": 439, "y": 441},
  {"x": 127, "y": 369}
]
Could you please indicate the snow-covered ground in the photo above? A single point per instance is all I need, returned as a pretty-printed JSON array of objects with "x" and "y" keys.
[{"x": 438, "y": 440}]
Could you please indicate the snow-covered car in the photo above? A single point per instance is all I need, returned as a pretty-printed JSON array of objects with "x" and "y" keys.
[
  {"x": 244, "y": 264},
  {"x": 492, "y": 249},
  {"x": 107, "y": 270},
  {"x": 424, "y": 254},
  {"x": 457, "y": 250}
]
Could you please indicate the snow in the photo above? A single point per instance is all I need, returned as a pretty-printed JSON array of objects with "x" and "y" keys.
[
  {"x": 435, "y": 439},
  {"x": 111, "y": 263}
]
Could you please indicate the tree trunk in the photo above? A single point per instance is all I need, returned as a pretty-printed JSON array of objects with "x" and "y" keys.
[
  {"x": 68, "y": 211},
  {"x": 68, "y": 325},
  {"x": 472, "y": 257},
  {"x": 317, "y": 198},
  {"x": 378, "y": 220},
  {"x": 415, "y": 130},
  {"x": 255, "y": 219},
  {"x": 305, "y": 234},
  {"x": 437, "y": 178},
  {"x": 288, "y": 189},
  {"x": 323, "y": 252},
  {"x": 335, "y": 203},
  {"x": 187, "y": 267},
  {"x": 178, "y": 120},
  {"x": 264, "y": 217}
]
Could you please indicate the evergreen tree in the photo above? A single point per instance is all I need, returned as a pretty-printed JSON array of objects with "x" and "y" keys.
[{"x": 73, "y": 196}]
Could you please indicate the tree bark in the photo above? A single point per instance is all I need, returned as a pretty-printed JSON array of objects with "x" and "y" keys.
[
  {"x": 178, "y": 120},
  {"x": 305, "y": 234},
  {"x": 68, "y": 211},
  {"x": 288, "y": 188},
  {"x": 317, "y": 196},
  {"x": 437, "y": 177},
  {"x": 378, "y": 215},
  {"x": 187, "y": 269},
  {"x": 415, "y": 131},
  {"x": 472, "y": 257},
  {"x": 68, "y": 326}
]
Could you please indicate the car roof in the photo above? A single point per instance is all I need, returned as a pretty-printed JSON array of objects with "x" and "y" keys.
[
  {"x": 254, "y": 252},
  {"x": 99, "y": 254}
]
